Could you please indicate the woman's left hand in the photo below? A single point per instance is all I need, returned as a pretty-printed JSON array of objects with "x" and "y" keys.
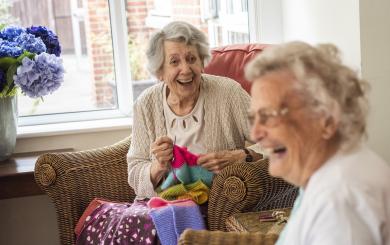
[{"x": 216, "y": 161}]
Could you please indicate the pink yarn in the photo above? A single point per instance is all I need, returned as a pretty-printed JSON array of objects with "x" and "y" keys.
[
  {"x": 181, "y": 155},
  {"x": 158, "y": 202}
]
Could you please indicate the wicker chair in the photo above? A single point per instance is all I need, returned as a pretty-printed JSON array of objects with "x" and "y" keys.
[
  {"x": 192, "y": 237},
  {"x": 73, "y": 179}
]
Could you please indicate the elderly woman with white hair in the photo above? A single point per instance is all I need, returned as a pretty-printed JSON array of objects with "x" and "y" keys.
[
  {"x": 203, "y": 117},
  {"x": 205, "y": 113},
  {"x": 308, "y": 111}
]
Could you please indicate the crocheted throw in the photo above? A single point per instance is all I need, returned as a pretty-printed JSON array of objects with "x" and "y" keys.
[
  {"x": 197, "y": 192},
  {"x": 185, "y": 169}
]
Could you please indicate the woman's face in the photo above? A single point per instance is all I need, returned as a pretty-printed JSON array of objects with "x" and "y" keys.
[
  {"x": 285, "y": 127},
  {"x": 182, "y": 68}
]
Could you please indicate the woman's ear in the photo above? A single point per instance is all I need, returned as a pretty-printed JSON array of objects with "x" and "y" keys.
[
  {"x": 329, "y": 127},
  {"x": 159, "y": 76}
]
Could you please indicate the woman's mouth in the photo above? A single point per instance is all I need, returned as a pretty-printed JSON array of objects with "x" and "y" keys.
[
  {"x": 184, "y": 82},
  {"x": 277, "y": 151}
]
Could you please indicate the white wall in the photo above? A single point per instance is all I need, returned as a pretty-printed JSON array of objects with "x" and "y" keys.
[
  {"x": 79, "y": 141},
  {"x": 28, "y": 220},
  {"x": 319, "y": 21},
  {"x": 375, "y": 44},
  {"x": 361, "y": 30}
]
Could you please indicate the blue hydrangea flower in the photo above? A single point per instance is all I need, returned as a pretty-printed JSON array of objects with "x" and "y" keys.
[
  {"x": 3, "y": 80},
  {"x": 48, "y": 37},
  {"x": 40, "y": 76},
  {"x": 30, "y": 43},
  {"x": 9, "y": 33},
  {"x": 9, "y": 49}
]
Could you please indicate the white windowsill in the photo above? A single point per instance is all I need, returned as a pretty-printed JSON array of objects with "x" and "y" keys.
[{"x": 74, "y": 127}]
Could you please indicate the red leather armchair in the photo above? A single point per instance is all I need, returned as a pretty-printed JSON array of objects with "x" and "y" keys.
[{"x": 230, "y": 61}]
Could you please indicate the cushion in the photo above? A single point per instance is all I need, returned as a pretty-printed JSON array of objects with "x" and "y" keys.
[{"x": 229, "y": 61}]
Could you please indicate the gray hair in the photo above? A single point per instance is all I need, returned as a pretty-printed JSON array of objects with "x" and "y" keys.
[
  {"x": 177, "y": 31},
  {"x": 329, "y": 86}
]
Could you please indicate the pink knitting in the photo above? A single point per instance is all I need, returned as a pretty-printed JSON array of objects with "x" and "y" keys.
[
  {"x": 158, "y": 202},
  {"x": 181, "y": 155}
]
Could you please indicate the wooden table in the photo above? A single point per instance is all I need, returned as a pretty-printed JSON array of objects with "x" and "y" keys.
[{"x": 17, "y": 175}]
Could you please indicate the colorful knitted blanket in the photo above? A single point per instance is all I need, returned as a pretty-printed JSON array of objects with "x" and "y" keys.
[
  {"x": 197, "y": 192},
  {"x": 185, "y": 169}
]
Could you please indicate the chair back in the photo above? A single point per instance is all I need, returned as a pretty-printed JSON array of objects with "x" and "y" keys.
[{"x": 229, "y": 61}]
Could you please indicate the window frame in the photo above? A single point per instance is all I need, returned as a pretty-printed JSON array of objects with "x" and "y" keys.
[
  {"x": 118, "y": 21},
  {"x": 257, "y": 25}
]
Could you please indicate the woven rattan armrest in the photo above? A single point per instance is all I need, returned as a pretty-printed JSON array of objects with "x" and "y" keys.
[
  {"x": 193, "y": 237},
  {"x": 73, "y": 179},
  {"x": 246, "y": 187}
]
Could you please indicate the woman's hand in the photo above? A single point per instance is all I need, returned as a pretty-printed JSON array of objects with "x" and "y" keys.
[
  {"x": 162, "y": 149},
  {"x": 217, "y": 161}
]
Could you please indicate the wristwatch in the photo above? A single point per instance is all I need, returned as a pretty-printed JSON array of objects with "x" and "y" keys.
[{"x": 248, "y": 157}]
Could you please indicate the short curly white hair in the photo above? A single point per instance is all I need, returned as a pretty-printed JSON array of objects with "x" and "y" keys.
[
  {"x": 177, "y": 31},
  {"x": 330, "y": 87}
]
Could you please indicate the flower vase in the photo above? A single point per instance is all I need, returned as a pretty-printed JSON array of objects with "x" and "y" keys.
[{"x": 8, "y": 124}]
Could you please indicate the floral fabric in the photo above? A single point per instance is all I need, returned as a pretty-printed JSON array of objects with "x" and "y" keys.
[{"x": 119, "y": 223}]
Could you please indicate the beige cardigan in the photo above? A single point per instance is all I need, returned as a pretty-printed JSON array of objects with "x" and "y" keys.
[{"x": 226, "y": 125}]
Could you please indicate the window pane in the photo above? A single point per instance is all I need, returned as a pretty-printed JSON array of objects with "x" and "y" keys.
[
  {"x": 84, "y": 31},
  {"x": 224, "y": 21}
]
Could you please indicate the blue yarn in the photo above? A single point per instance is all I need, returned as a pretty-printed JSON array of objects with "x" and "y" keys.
[{"x": 187, "y": 175}]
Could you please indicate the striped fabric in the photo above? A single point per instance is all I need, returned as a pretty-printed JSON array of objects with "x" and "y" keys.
[
  {"x": 172, "y": 218},
  {"x": 185, "y": 169},
  {"x": 197, "y": 192}
]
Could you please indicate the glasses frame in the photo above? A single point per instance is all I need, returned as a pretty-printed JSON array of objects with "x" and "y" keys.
[{"x": 265, "y": 114}]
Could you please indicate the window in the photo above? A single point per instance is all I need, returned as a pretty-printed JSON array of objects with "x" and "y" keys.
[
  {"x": 227, "y": 21},
  {"x": 89, "y": 33},
  {"x": 104, "y": 43}
]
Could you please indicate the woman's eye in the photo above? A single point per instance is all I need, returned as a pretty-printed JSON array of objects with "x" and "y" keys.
[
  {"x": 251, "y": 119},
  {"x": 173, "y": 62},
  {"x": 191, "y": 59}
]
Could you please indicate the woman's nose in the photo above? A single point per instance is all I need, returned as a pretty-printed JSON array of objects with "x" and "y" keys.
[
  {"x": 185, "y": 68},
  {"x": 258, "y": 131}
]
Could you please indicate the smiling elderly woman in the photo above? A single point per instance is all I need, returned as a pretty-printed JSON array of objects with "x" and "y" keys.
[
  {"x": 202, "y": 117},
  {"x": 308, "y": 111},
  {"x": 205, "y": 113}
]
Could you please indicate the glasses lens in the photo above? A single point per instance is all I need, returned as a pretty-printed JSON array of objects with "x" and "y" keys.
[{"x": 269, "y": 118}]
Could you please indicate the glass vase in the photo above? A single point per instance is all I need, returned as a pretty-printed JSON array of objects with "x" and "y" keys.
[{"x": 8, "y": 125}]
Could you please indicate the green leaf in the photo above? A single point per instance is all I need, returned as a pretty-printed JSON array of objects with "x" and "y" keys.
[
  {"x": 25, "y": 54},
  {"x": 10, "y": 79},
  {"x": 6, "y": 62},
  {"x": 13, "y": 92},
  {"x": 2, "y": 26}
]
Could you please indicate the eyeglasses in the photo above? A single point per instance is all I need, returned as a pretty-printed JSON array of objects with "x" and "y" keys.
[{"x": 268, "y": 117}]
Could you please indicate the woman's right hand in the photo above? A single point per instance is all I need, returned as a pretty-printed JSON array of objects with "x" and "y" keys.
[{"x": 162, "y": 149}]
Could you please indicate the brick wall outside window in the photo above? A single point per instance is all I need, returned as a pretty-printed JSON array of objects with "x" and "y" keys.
[{"x": 100, "y": 45}]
